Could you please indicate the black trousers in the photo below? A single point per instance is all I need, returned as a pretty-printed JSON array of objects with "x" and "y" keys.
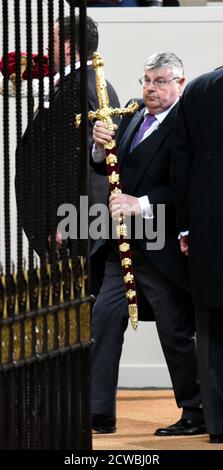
[
  {"x": 173, "y": 313},
  {"x": 209, "y": 324}
]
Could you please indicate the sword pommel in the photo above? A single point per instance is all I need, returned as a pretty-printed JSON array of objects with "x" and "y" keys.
[
  {"x": 105, "y": 112},
  {"x": 97, "y": 60}
]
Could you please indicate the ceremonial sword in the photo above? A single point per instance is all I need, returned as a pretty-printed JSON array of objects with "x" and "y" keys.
[{"x": 104, "y": 113}]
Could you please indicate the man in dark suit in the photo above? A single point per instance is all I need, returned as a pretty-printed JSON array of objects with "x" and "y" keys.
[
  {"x": 171, "y": 3},
  {"x": 198, "y": 175},
  {"x": 46, "y": 138},
  {"x": 160, "y": 273}
]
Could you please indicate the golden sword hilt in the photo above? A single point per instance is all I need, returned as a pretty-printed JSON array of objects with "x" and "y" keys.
[{"x": 105, "y": 112}]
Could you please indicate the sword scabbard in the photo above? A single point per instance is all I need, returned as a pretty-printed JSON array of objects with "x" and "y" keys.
[{"x": 104, "y": 114}]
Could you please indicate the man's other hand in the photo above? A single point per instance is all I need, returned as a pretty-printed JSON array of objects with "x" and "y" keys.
[{"x": 184, "y": 245}]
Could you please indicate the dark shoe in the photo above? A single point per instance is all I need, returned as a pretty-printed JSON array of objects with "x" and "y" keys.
[
  {"x": 183, "y": 427},
  {"x": 103, "y": 424},
  {"x": 216, "y": 438}
]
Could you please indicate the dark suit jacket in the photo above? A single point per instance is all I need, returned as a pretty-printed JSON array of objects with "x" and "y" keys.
[
  {"x": 147, "y": 171},
  {"x": 171, "y": 3},
  {"x": 198, "y": 175},
  {"x": 34, "y": 176}
]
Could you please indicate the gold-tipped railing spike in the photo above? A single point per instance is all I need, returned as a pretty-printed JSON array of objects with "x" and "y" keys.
[
  {"x": 50, "y": 301},
  {"x": 72, "y": 310},
  {"x": 16, "y": 308},
  {"x": 39, "y": 301},
  {"x": 5, "y": 298},
  {"x": 82, "y": 278},
  {"x": 61, "y": 312},
  {"x": 26, "y": 277}
]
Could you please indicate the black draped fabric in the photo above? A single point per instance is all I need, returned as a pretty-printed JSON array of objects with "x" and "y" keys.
[
  {"x": 45, "y": 335},
  {"x": 197, "y": 166}
]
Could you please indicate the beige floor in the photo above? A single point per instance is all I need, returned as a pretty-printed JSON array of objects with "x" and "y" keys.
[{"x": 139, "y": 413}]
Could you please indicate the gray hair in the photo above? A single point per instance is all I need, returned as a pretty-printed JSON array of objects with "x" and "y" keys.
[{"x": 159, "y": 60}]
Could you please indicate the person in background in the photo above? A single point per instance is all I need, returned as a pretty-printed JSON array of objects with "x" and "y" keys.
[
  {"x": 198, "y": 176},
  {"x": 98, "y": 185},
  {"x": 133, "y": 3},
  {"x": 144, "y": 144}
]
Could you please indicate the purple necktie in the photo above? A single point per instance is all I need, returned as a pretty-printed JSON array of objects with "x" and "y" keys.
[{"x": 149, "y": 119}]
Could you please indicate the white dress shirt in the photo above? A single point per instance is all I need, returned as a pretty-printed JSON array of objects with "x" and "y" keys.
[
  {"x": 67, "y": 70},
  {"x": 57, "y": 78}
]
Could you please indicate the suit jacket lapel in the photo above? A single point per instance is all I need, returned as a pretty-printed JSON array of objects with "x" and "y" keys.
[
  {"x": 129, "y": 133},
  {"x": 139, "y": 160}
]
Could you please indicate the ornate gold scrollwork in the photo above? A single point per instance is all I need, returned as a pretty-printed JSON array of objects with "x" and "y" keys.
[
  {"x": 114, "y": 178},
  {"x": 126, "y": 262},
  {"x": 128, "y": 278}
]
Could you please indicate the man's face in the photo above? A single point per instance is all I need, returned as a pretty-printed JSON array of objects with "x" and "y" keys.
[
  {"x": 57, "y": 49},
  {"x": 164, "y": 92}
]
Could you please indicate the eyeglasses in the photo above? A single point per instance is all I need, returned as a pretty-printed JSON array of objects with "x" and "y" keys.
[{"x": 159, "y": 83}]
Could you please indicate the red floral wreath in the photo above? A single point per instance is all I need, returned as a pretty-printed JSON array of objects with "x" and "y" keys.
[{"x": 11, "y": 60}]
